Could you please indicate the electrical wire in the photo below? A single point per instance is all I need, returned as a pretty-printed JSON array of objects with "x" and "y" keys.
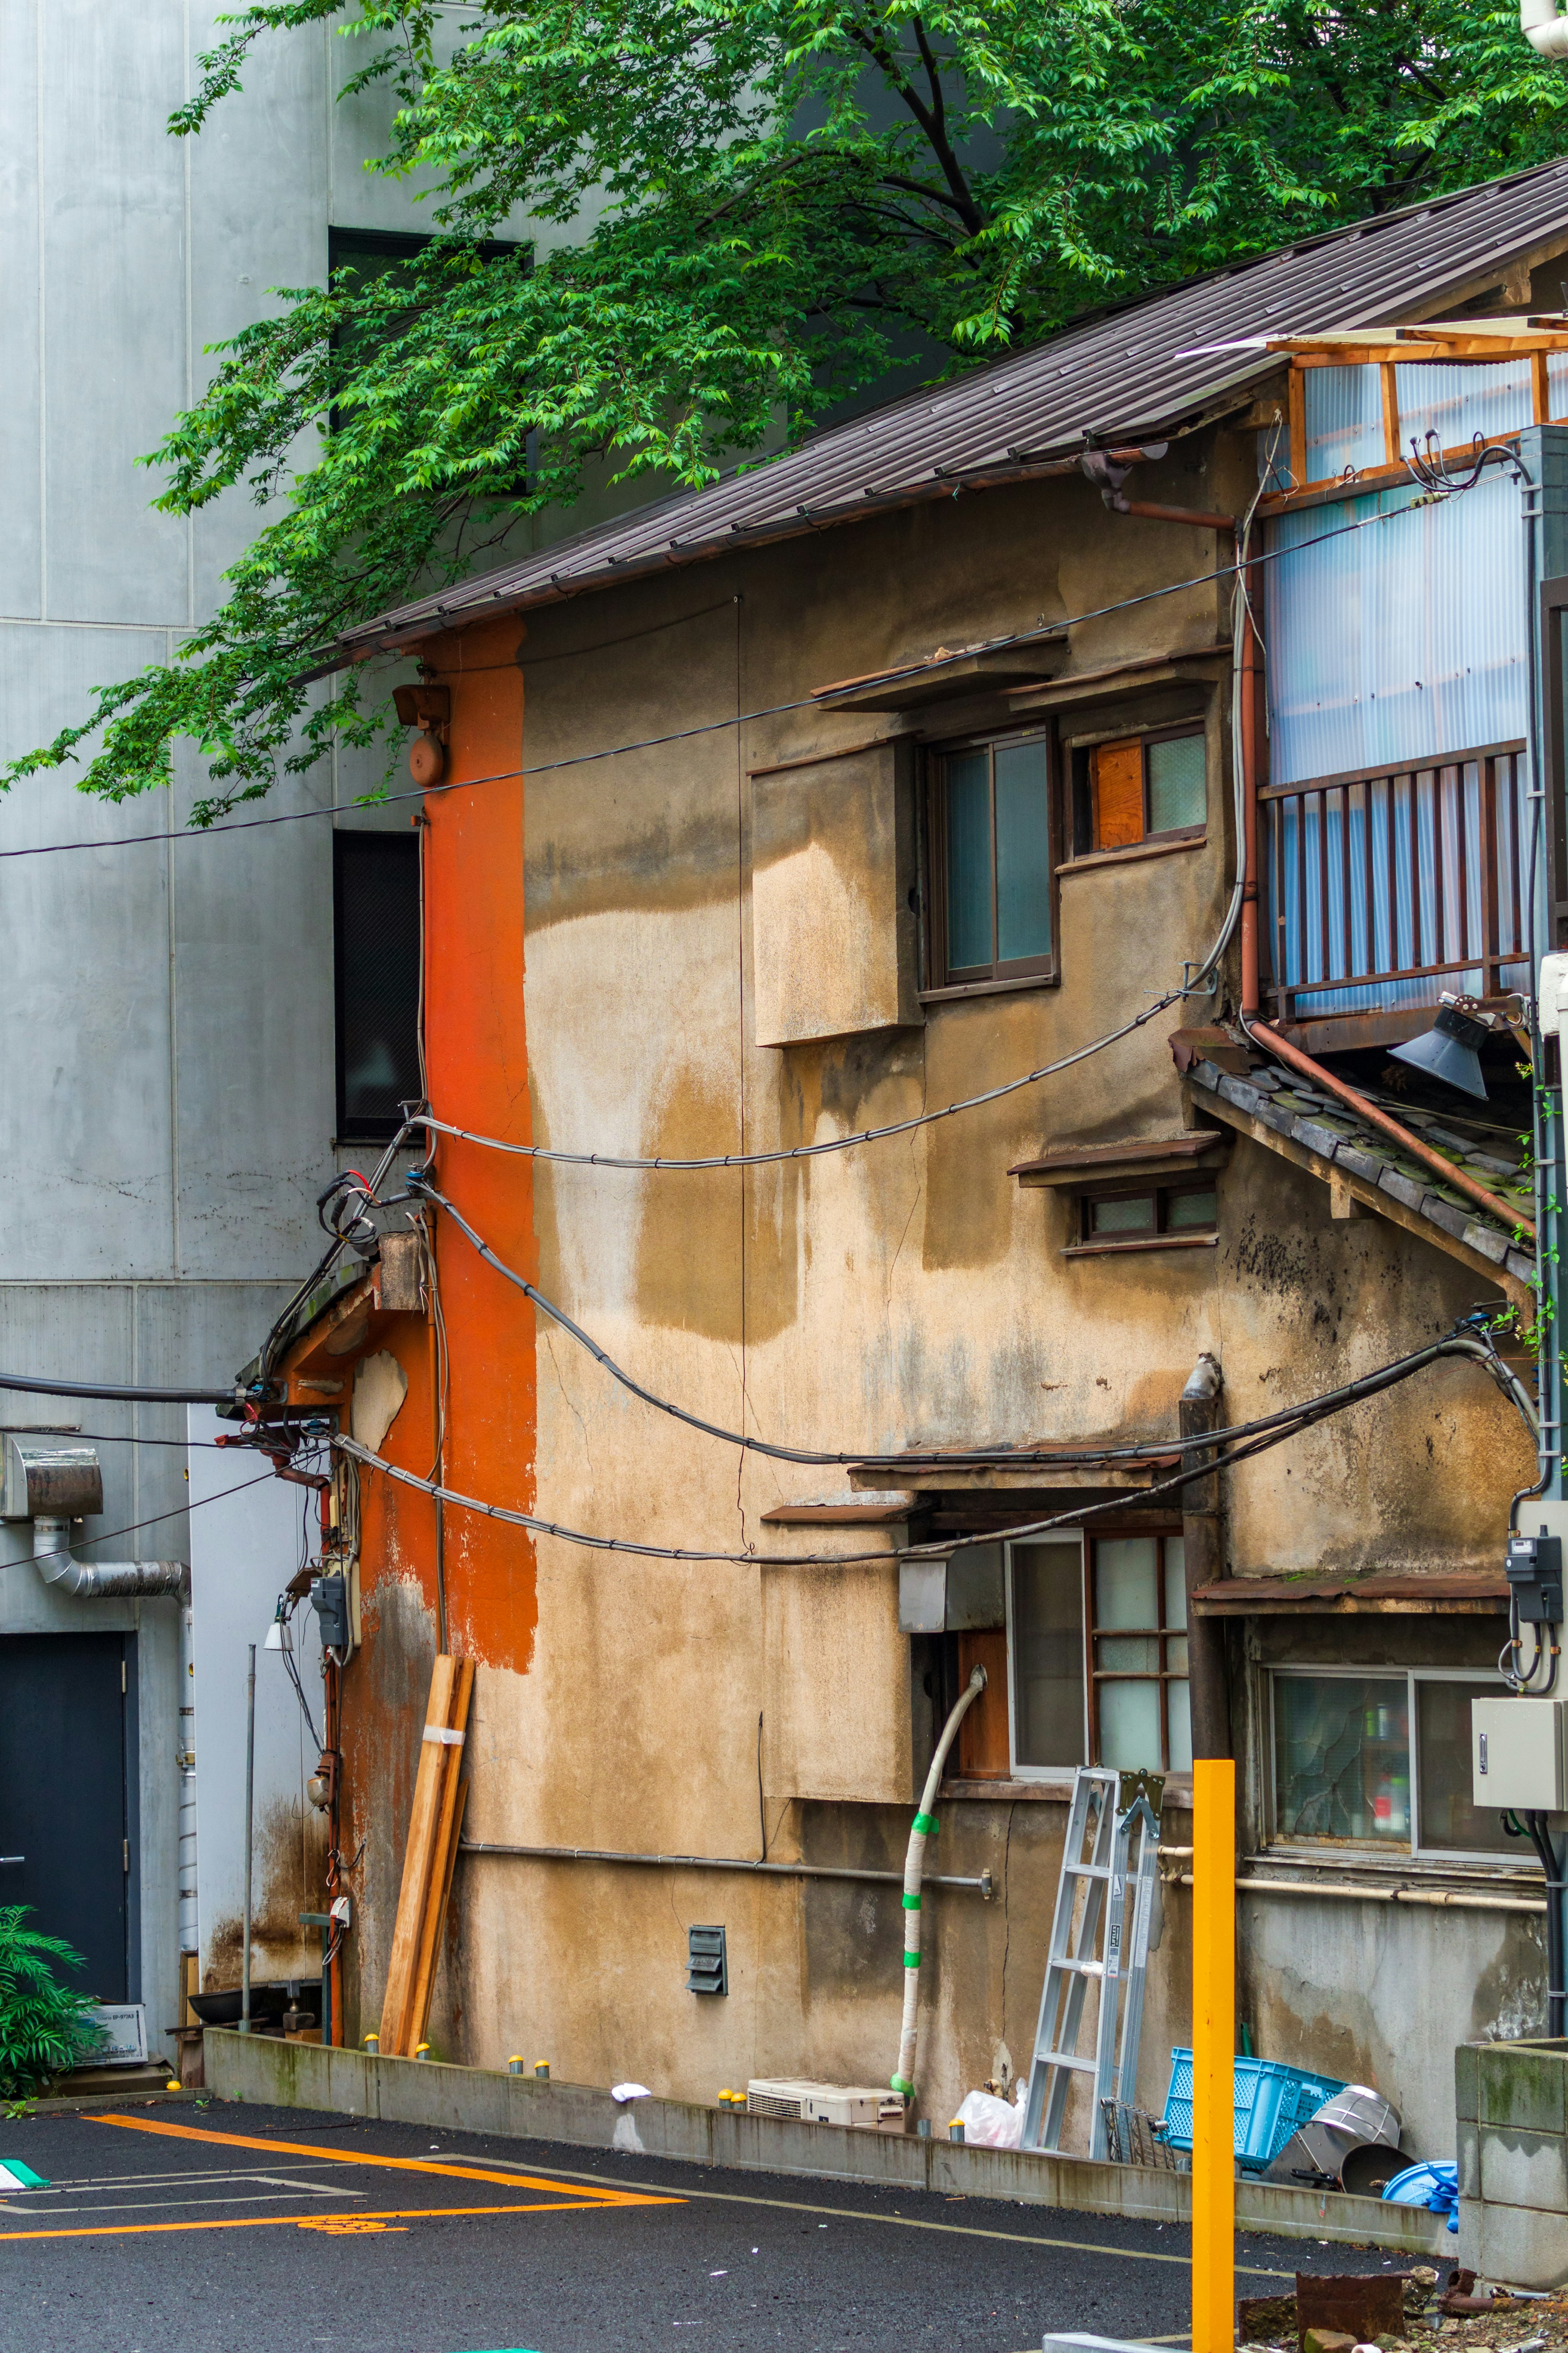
[
  {"x": 1470, "y": 1342},
  {"x": 1302, "y": 1417},
  {"x": 112, "y": 1392},
  {"x": 191, "y": 1503},
  {"x": 683, "y": 735}
]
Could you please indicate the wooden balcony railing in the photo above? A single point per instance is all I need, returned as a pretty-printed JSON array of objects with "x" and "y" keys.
[{"x": 1386, "y": 887}]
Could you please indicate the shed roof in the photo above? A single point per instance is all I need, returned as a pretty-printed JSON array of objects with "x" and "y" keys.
[{"x": 1148, "y": 368}]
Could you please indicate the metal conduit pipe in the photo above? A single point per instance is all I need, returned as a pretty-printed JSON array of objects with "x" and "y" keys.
[
  {"x": 103, "y": 1580},
  {"x": 983, "y": 1886},
  {"x": 185, "y": 1750},
  {"x": 1543, "y": 28},
  {"x": 925, "y": 1825},
  {"x": 1437, "y": 1898}
]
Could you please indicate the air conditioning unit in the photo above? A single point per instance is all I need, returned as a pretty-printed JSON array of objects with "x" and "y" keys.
[{"x": 820, "y": 2103}]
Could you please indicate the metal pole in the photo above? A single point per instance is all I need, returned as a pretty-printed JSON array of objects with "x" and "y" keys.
[
  {"x": 1214, "y": 2054},
  {"x": 250, "y": 1806}
]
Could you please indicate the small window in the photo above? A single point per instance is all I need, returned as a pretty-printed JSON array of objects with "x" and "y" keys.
[
  {"x": 1159, "y": 1216},
  {"x": 1044, "y": 1635},
  {"x": 1145, "y": 789},
  {"x": 1381, "y": 1759},
  {"x": 375, "y": 905},
  {"x": 991, "y": 864}
]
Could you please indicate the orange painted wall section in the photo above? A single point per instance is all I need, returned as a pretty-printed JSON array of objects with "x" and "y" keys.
[{"x": 476, "y": 1072}]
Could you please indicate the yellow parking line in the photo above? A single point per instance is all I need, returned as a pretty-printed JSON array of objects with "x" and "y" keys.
[
  {"x": 314, "y": 2222},
  {"x": 607, "y": 2197}
]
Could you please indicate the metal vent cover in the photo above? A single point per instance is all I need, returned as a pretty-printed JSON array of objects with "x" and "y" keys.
[
  {"x": 44, "y": 1479},
  {"x": 707, "y": 1962}
]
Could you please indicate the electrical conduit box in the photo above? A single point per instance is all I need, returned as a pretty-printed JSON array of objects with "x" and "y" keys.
[{"x": 1519, "y": 1754}]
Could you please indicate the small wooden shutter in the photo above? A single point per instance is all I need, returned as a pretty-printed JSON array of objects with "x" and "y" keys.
[
  {"x": 1118, "y": 795},
  {"x": 985, "y": 1751}
]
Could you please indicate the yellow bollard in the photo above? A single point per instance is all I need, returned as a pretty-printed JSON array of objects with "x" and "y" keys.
[{"x": 1214, "y": 2054}]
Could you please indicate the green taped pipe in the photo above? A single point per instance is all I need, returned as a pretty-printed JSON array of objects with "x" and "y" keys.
[{"x": 924, "y": 1826}]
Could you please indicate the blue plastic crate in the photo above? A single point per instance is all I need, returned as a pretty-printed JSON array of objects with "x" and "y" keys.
[{"x": 1272, "y": 2101}]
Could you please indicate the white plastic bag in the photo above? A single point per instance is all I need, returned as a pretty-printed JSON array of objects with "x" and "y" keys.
[{"x": 990, "y": 2123}]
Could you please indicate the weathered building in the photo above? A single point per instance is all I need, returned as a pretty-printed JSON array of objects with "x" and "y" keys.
[{"x": 792, "y": 811}]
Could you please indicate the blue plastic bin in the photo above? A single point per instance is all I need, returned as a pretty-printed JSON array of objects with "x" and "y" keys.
[{"x": 1273, "y": 2102}]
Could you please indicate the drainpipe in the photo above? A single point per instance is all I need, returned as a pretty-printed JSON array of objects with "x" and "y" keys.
[
  {"x": 925, "y": 1825},
  {"x": 1199, "y": 1413},
  {"x": 185, "y": 1748},
  {"x": 1543, "y": 28},
  {"x": 1246, "y": 752}
]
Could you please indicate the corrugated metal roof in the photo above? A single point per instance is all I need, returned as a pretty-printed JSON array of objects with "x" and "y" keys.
[{"x": 1133, "y": 374}]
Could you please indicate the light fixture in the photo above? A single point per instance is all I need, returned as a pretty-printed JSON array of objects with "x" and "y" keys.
[
  {"x": 278, "y": 1635},
  {"x": 1451, "y": 1050}
]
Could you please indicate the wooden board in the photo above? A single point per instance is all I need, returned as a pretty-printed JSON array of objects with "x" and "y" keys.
[
  {"x": 1118, "y": 795},
  {"x": 418, "y": 1860},
  {"x": 984, "y": 1752},
  {"x": 455, "y": 1789}
]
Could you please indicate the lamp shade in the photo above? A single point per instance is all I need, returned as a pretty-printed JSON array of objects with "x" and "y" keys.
[{"x": 1450, "y": 1051}]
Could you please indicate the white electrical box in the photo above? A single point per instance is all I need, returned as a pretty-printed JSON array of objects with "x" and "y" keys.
[
  {"x": 1554, "y": 999},
  {"x": 820, "y": 2103},
  {"x": 1519, "y": 1754}
]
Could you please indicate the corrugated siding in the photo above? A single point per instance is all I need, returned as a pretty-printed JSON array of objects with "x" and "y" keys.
[
  {"x": 1345, "y": 421},
  {"x": 1454, "y": 403},
  {"x": 1399, "y": 642}
]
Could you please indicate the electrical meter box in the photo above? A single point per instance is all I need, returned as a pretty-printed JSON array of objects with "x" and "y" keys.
[{"x": 1519, "y": 1754}]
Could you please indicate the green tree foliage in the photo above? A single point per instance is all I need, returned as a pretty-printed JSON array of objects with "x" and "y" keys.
[
  {"x": 45, "y": 2027},
  {"x": 765, "y": 203}
]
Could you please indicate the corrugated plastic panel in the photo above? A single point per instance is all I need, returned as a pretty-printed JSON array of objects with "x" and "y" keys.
[
  {"x": 1400, "y": 641},
  {"x": 1454, "y": 403},
  {"x": 1345, "y": 421}
]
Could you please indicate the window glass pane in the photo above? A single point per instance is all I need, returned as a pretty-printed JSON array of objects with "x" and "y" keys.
[
  {"x": 1022, "y": 852},
  {"x": 1448, "y": 1820},
  {"x": 376, "y": 952},
  {"x": 1129, "y": 1654},
  {"x": 1129, "y": 1725},
  {"x": 1175, "y": 1580},
  {"x": 1047, "y": 1654},
  {"x": 1191, "y": 1212},
  {"x": 1176, "y": 1654},
  {"x": 1342, "y": 1758},
  {"x": 1177, "y": 784},
  {"x": 968, "y": 861},
  {"x": 1126, "y": 1582},
  {"x": 1136, "y": 1217},
  {"x": 1178, "y": 1700}
]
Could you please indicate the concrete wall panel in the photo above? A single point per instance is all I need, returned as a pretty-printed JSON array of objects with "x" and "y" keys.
[{"x": 21, "y": 457}]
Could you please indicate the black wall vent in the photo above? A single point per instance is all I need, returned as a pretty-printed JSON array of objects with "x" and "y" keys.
[{"x": 706, "y": 1965}]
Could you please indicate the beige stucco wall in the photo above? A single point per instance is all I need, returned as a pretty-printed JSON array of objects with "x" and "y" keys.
[{"x": 906, "y": 1291}]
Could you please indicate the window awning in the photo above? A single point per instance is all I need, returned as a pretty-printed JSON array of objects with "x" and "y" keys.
[{"x": 1463, "y": 1593}]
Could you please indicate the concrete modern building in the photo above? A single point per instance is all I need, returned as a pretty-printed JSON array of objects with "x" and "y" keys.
[{"x": 172, "y": 1105}]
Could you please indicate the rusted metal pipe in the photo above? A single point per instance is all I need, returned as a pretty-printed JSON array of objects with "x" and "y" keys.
[
  {"x": 1267, "y": 1036},
  {"x": 1247, "y": 751},
  {"x": 1205, "y": 1560},
  {"x": 1156, "y": 513}
]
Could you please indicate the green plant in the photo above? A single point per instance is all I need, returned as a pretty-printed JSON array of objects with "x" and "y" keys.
[
  {"x": 45, "y": 2027},
  {"x": 750, "y": 211}
]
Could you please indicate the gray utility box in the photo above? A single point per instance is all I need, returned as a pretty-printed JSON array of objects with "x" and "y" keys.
[
  {"x": 952, "y": 1595},
  {"x": 1519, "y": 1754}
]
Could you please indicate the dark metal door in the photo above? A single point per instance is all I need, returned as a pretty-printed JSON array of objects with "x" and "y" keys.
[{"x": 62, "y": 1794}]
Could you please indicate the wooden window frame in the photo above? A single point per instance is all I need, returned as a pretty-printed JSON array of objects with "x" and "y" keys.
[
  {"x": 1143, "y": 737},
  {"x": 1164, "y": 1674},
  {"x": 1016, "y": 972},
  {"x": 1092, "y": 1245}
]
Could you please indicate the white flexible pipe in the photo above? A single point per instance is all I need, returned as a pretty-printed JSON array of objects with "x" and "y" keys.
[
  {"x": 1543, "y": 28},
  {"x": 925, "y": 1825}
]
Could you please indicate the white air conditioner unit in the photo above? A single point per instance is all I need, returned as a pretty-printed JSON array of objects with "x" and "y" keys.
[{"x": 820, "y": 2103}]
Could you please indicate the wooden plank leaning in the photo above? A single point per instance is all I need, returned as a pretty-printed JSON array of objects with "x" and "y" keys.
[
  {"x": 454, "y": 1791},
  {"x": 418, "y": 1860}
]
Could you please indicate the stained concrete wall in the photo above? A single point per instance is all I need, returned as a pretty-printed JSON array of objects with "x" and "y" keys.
[{"x": 908, "y": 1293}]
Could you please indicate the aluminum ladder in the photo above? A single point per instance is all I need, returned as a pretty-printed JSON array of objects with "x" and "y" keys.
[{"x": 1109, "y": 1862}]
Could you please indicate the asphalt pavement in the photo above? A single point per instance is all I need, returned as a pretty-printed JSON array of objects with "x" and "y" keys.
[{"x": 230, "y": 2228}]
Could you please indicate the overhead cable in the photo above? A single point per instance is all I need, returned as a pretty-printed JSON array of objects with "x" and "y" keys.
[
  {"x": 37, "y": 1385},
  {"x": 191, "y": 1503},
  {"x": 678, "y": 735},
  {"x": 1207, "y": 1458},
  {"x": 1078, "y": 1457}
]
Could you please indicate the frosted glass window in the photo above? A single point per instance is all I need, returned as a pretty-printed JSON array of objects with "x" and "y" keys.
[
  {"x": 1344, "y": 420},
  {"x": 1022, "y": 852},
  {"x": 1142, "y": 1712},
  {"x": 1175, "y": 1581},
  {"x": 1047, "y": 1632},
  {"x": 1448, "y": 1820},
  {"x": 1177, "y": 784},
  {"x": 1134, "y": 1217},
  {"x": 1190, "y": 1212},
  {"x": 1129, "y": 1726},
  {"x": 969, "y": 860}
]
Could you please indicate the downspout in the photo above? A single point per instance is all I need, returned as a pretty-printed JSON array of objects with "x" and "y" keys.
[
  {"x": 1543, "y": 28},
  {"x": 1246, "y": 752},
  {"x": 925, "y": 1825},
  {"x": 1199, "y": 1413}
]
